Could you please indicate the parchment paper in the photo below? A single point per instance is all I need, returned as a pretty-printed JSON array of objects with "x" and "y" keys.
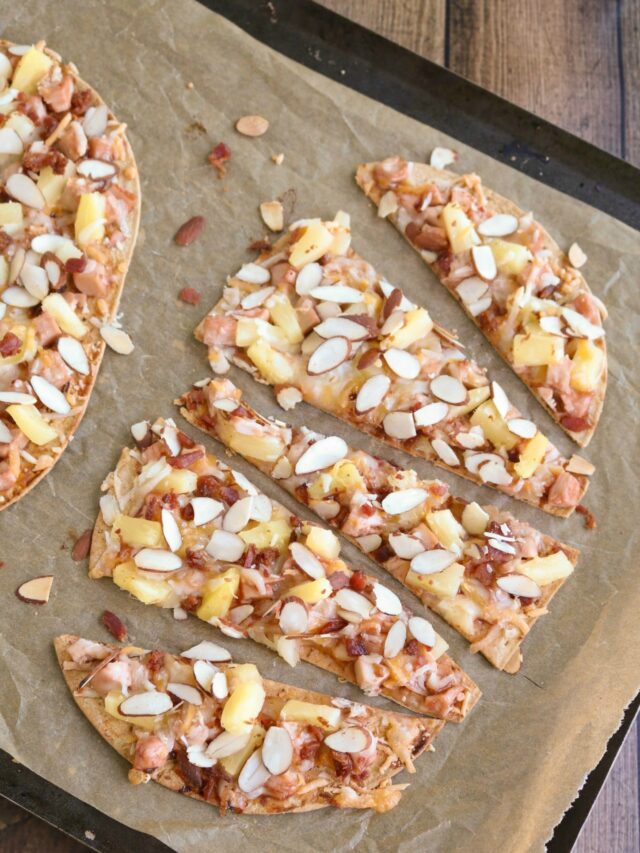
[{"x": 503, "y": 779}]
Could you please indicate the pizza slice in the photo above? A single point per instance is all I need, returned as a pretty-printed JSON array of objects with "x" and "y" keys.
[
  {"x": 181, "y": 530},
  {"x": 487, "y": 574},
  {"x": 220, "y": 733},
  {"x": 68, "y": 224},
  {"x": 318, "y": 323},
  {"x": 511, "y": 278}
]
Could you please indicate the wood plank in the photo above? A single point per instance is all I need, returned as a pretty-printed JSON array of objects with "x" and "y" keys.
[
  {"x": 559, "y": 60},
  {"x": 416, "y": 24},
  {"x": 629, "y": 35}
]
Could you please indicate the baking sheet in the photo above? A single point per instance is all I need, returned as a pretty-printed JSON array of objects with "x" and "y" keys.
[{"x": 528, "y": 745}]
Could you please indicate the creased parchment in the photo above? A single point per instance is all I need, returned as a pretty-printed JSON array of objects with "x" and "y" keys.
[{"x": 503, "y": 779}]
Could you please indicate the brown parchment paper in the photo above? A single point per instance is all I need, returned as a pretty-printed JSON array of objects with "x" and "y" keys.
[{"x": 501, "y": 780}]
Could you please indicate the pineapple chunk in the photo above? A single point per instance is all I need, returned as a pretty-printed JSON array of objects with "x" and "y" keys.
[
  {"x": 324, "y": 716},
  {"x": 10, "y": 213},
  {"x": 323, "y": 542},
  {"x": 111, "y": 704},
  {"x": 273, "y": 365},
  {"x": 242, "y": 707},
  {"x": 146, "y": 590},
  {"x": 475, "y": 519},
  {"x": 265, "y": 448},
  {"x": 493, "y": 426},
  {"x": 64, "y": 315},
  {"x": 30, "y": 70},
  {"x": 242, "y": 673},
  {"x": 586, "y": 366},
  {"x": 181, "y": 481},
  {"x": 284, "y": 316},
  {"x": 511, "y": 258},
  {"x": 51, "y": 185},
  {"x": 268, "y": 534},
  {"x": 445, "y": 527},
  {"x": 29, "y": 345},
  {"x": 461, "y": 613},
  {"x": 246, "y": 332},
  {"x": 4, "y": 270},
  {"x": 536, "y": 349},
  {"x": 321, "y": 487},
  {"x": 531, "y": 456},
  {"x": 139, "y": 532},
  {"x": 218, "y": 595},
  {"x": 314, "y": 242},
  {"x": 444, "y": 584},
  {"x": 546, "y": 570},
  {"x": 345, "y": 476},
  {"x": 460, "y": 231},
  {"x": 90, "y": 218},
  {"x": 29, "y": 421},
  {"x": 440, "y": 647},
  {"x": 233, "y": 764},
  {"x": 476, "y": 396},
  {"x": 311, "y": 592},
  {"x": 417, "y": 324}
]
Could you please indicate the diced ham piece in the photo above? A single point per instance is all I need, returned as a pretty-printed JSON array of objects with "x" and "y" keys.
[
  {"x": 565, "y": 492},
  {"x": 219, "y": 331},
  {"x": 283, "y": 272},
  {"x": 85, "y": 650},
  {"x": 93, "y": 280},
  {"x": 585, "y": 305},
  {"x": 51, "y": 367},
  {"x": 47, "y": 330},
  {"x": 33, "y": 107},
  {"x": 101, "y": 148},
  {"x": 114, "y": 676},
  {"x": 151, "y": 753},
  {"x": 57, "y": 94},
  {"x": 73, "y": 142}
]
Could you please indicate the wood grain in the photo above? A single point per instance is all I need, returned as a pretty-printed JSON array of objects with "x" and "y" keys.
[{"x": 629, "y": 36}]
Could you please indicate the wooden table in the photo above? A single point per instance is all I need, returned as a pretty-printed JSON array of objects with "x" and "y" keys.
[{"x": 581, "y": 70}]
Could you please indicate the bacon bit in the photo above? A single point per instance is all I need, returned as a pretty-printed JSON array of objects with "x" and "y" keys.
[
  {"x": 80, "y": 102},
  {"x": 261, "y": 245},
  {"x": 189, "y": 295},
  {"x": 155, "y": 661},
  {"x": 187, "y": 512},
  {"x": 80, "y": 550},
  {"x": 356, "y": 646},
  {"x": 332, "y": 626},
  {"x": 191, "y": 602},
  {"x": 218, "y": 156},
  {"x": 196, "y": 557},
  {"x": 10, "y": 344},
  {"x": 185, "y": 440},
  {"x": 358, "y": 581},
  {"x": 412, "y": 647},
  {"x": 339, "y": 580},
  {"x": 589, "y": 518},
  {"x": 266, "y": 558},
  {"x": 574, "y": 423},
  {"x": 185, "y": 459},
  {"x": 35, "y": 161},
  {"x": 368, "y": 358},
  {"x": 115, "y": 626},
  {"x": 189, "y": 231},
  {"x": 250, "y": 557},
  {"x": 383, "y": 553},
  {"x": 5, "y": 242},
  {"x": 76, "y": 264},
  {"x": 343, "y": 764}
]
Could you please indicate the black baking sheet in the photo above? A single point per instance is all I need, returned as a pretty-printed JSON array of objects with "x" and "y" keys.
[{"x": 370, "y": 64}]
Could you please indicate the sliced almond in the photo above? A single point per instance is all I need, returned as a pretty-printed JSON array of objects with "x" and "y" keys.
[
  {"x": 582, "y": 327},
  {"x": 522, "y": 427},
  {"x": 5, "y": 433},
  {"x": 474, "y": 460},
  {"x": 329, "y": 355},
  {"x": 403, "y": 364},
  {"x": 238, "y": 516},
  {"x": 117, "y": 339},
  {"x": 204, "y": 672},
  {"x": 256, "y": 298},
  {"x": 495, "y": 473},
  {"x": 294, "y": 619},
  {"x": 36, "y": 591},
  {"x": 552, "y": 324},
  {"x": 17, "y": 397},
  {"x": 97, "y": 170},
  {"x": 500, "y": 225},
  {"x": 342, "y": 294},
  {"x": 422, "y": 631},
  {"x": 386, "y": 287},
  {"x": 225, "y": 546},
  {"x": 23, "y": 189},
  {"x": 479, "y": 307},
  {"x": 431, "y": 414},
  {"x": 50, "y": 396},
  {"x": 370, "y": 542},
  {"x": 472, "y": 439},
  {"x": 519, "y": 586},
  {"x": 500, "y": 400},
  {"x": 254, "y": 774},
  {"x": 206, "y": 650},
  {"x": 399, "y": 425},
  {"x": 307, "y": 560},
  {"x": 405, "y": 546},
  {"x": 282, "y": 469},
  {"x": 433, "y": 561},
  {"x": 186, "y": 692},
  {"x": 157, "y": 560},
  {"x": 353, "y": 602},
  {"x": 449, "y": 389},
  {"x": 442, "y": 157},
  {"x": 474, "y": 519},
  {"x": 253, "y": 274},
  {"x": 405, "y": 500},
  {"x": 578, "y": 465},
  {"x": 220, "y": 686},
  {"x": 252, "y": 125},
  {"x": 151, "y": 703},
  {"x": 388, "y": 204},
  {"x": 341, "y": 327},
  {"x": 262, "y": 508},
  {"x": 73, "y": 354},
  {"x": 500, "y": 545},
  {"x": 484, "y": 261},
  {"x": 197, "y": 756},
  {"x": 446, "y": 453},
  {"x": 308, "y": 278},
  {"x": 577, "y": 257},
  {"x": 95, "y": 120},
  {"x": 395, "y": 640},
  {"x": 322, "y": 454},
  {"x": 35, "y": 280},
  {"x": 393, "y": 323},
  {"x": 227, "y": 744},
  {"x": 351, "y": 739},
  {"x": 17, "y": 297},
  {"x": 372, "y": 392},
  {"x": 386, "y": 600},
  {"x": 205, "y": 510},
  {"x": 10, "y": 142},
  {"x": 277, "y": 750},
  {"x": 272, "y": 214}
]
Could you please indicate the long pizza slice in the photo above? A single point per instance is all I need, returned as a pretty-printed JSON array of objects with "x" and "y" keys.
[
  {"x": 318, "y": 323},
  {"x": 487, "y": 574},
  {"x": 68, "y": 224},
  {"x": 179, "y": 529},
  {"x": 220, "y": 733},
  {"x": 511, "y": 278}
]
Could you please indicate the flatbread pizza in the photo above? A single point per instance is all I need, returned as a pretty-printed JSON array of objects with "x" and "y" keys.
[
  {"x": 220, "y": 733},
  {"x": 68, "y": 224},
  {"x": 511, "y": 278},
  {"x": 181, "y": 530},
  {"x": 489, "y": 575}
]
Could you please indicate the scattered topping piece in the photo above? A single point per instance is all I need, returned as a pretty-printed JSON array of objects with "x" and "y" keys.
[
  {"x": 82, "y": 546},
  {"x": 577, "y": 257},
  {"x": 272, "y": 215},
  {"x": 278, "y": 159},
  {"x": 114, "y": 625},
  {"x": 117, "y": 339},
  {"x": 252, "y": 125},
  {"x": 36, "y": 591},
  {"x": 207, "y": 651},
  {"x": 218, "y": 157},
  {"x": 578, "y": 465},
  {"x": 442, "y": 157},
  {"x": 189, "y": 231},
  {"x": 190, "y": 295}
]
